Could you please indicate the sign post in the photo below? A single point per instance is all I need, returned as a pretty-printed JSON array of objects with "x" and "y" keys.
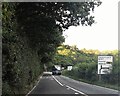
[{"x": 104, "y": 65}]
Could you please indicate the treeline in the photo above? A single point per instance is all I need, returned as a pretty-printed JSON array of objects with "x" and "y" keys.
[
  {"x": 29, "y": 42},
  {"x": 31, "y": 32},
  {"x": 84, "y": 64},
  {"x": 21, "y": 65}
]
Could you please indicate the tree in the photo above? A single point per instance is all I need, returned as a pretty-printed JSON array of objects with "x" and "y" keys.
[
  {"x": 32, "y": 30},
  {"x": 64, "y": 13},
  {"x": 44, "y": 22}
]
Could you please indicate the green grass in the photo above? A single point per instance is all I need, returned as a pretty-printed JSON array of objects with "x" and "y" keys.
[{"x": 102, "y": 84}]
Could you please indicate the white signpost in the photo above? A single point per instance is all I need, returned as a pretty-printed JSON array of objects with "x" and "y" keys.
[
  {"x": 69, "y": 68},
  {"x": 105, "y": 64}
]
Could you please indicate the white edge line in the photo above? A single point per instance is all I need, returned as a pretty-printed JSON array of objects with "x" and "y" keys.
[
  {"x": 57, "y": 81},
  {"x": 76, "y": 90},
  {"x": 34, "y": 86}
]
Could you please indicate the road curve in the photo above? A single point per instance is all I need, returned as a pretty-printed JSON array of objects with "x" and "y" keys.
[{"x": 50, "y": 84}]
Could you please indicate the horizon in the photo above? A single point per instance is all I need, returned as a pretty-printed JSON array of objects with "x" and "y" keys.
[{"x": 91, "y": 49}]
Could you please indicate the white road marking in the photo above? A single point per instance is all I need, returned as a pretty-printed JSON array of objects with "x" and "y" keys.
[
  {"x": 46, "y": 77},
  {"x": 57, "y": 81},
  {"x": 34, "y": 86},
  {"x": 68, "y": 87},
  {"x": 76, "y": 93},
  {"x": 41, "y": 77},
  {"x": 76, "y": 90}
]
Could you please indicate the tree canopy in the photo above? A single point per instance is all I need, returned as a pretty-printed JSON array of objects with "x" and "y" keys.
[
  {"x": 44, "y": 22},
  {"x": 31, "y": 33},
  {"x": 64, "y": 13}
]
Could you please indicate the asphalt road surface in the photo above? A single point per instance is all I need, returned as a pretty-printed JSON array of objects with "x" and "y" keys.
[{"x": 53, "y": 84}]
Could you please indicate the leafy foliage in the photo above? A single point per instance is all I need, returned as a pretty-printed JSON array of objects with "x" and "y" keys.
[
  {"x": 85, "y": 64},
  {"x": 65, "y": 13},
  {"x": 31, "y": 34},
  {"x": 21, "y": 65}
]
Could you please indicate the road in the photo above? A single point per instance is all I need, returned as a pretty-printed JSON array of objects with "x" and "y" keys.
[{"x": 53, "y": 84}]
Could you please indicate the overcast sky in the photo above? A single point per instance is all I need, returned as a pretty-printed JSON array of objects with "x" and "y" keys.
[{"x": 103, "y": 35}]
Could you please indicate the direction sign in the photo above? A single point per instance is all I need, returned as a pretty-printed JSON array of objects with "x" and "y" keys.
[{"x": 105, "y": 64}]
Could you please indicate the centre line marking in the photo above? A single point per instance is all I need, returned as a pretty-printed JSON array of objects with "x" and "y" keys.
[
  {"x": 76, "y": 90},
  {"x": 69, "y": 87},
  {"x": 76, "y": 93},
  {"x": 57, "y": 81}
]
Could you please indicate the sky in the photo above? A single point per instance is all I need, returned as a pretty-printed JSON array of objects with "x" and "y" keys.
[{"x": 103, "y": 35}]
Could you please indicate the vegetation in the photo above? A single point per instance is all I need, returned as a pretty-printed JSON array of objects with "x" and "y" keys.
[
  {"x": 85, "y": 65},
  {"x": 31, "y": 32},
  {"x": 21, "y": 64}
]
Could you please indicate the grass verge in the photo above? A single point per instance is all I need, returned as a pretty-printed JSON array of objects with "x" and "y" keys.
[{"x": 102, "y": 84}]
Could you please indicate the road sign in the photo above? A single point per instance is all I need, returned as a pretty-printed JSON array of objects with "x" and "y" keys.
[
  {"x": 69, "y": 68},
  {"x": 105, "y": 64}
]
